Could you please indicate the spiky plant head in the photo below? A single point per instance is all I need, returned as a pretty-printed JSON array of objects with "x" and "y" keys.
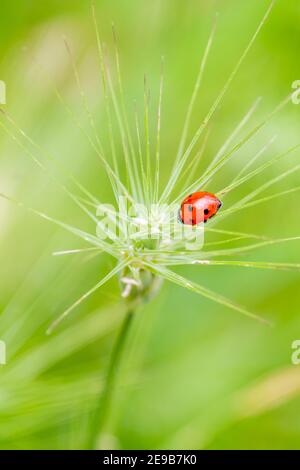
[{"x": 141, "y": 230}]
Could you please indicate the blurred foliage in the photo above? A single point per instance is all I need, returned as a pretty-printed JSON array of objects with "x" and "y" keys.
[{"x": 195, "y": 375}]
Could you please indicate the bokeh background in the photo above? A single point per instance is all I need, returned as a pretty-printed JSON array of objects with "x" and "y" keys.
[{"x": 195, "y": 375}]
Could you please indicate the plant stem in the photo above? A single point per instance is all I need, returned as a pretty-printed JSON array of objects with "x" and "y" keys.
[{"x": 104, "y": 405}]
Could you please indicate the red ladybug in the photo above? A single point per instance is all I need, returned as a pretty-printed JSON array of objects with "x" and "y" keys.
[{"x": 198, "y": 207}]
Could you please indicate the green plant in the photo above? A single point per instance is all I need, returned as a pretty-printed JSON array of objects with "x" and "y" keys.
[{"x": 141, "y": 263}]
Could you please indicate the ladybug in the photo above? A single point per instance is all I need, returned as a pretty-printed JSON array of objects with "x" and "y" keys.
[{"x": 198, "y": 207}]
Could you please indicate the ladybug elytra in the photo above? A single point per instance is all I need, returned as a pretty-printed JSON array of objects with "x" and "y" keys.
[{"x": 198, "y": 207}]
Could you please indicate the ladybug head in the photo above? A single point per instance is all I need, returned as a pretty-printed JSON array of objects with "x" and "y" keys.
[{"x": 210, "y": 205}]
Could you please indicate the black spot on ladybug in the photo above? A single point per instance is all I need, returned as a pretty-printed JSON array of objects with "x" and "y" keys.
[
  {"x": 206, "y": 211},
  {"x": 190, "y": 208}
]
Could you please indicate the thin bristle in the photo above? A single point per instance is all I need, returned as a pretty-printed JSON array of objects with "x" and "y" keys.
[
  {"x": 87, "y": 294},
  {"x": 157, "y": 174},
  {"x": 181, "y": 162}
]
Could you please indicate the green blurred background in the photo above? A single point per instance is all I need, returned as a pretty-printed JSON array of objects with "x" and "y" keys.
[{"x": 196, "y": 375}]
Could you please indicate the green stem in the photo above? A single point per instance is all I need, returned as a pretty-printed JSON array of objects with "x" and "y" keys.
[{"x": 102, "y": 412}]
